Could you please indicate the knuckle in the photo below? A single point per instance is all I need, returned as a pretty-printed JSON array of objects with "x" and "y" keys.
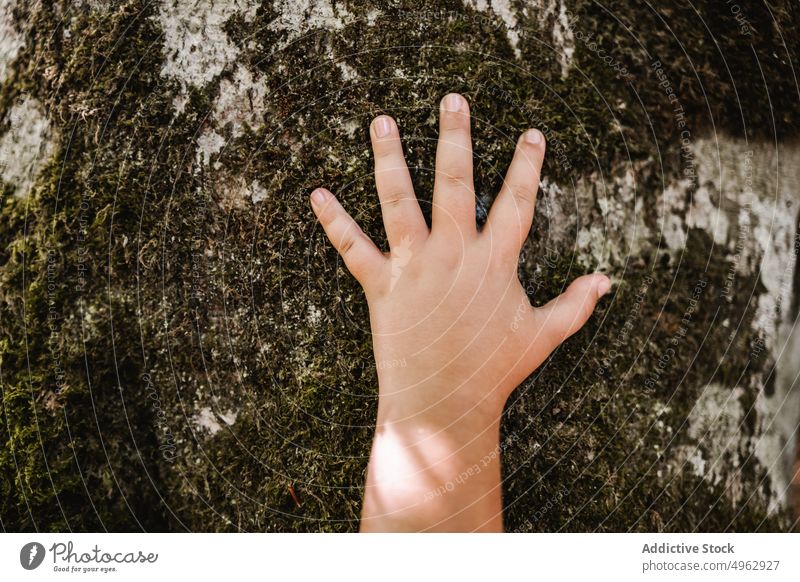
[
  {"x": 455, "y": 120},
  {"x": 446, "y": 254},
  {"x": 347, "y": 244},
  {"x": 451, "y": 258},
  {"x": 328, "y": 216},
  {"x": 456, "y": 175},
  {"x": 331, "y": 218},
  {"x": 386, "y": 149},
  {"x": 393, "y": 199},
  {"x": 524, "y": 193},
  {"x": 456, "y": 133},
  {"x": 456, "y": 180},
  {"x": 383, "y": 153},
  {"x": 452, "y": 261},
  {"x": 507, "y": 256}
]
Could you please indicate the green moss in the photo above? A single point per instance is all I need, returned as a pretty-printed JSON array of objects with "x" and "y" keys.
[
  {"x": 245, "y": 308},
  {"x": 597, "y": 432}
]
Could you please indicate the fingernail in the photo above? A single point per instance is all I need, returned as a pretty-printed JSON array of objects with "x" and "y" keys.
[
  {"x": 318, "y": 197},
  {"x": 453, "y": 102},
  {"x": 533, "y": 136},
  {"x": 603, "y": 286},
  {"x": 382, "y": 126}
]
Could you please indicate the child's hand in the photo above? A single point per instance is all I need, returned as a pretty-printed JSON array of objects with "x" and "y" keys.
[{"x": 453, "y": 330}]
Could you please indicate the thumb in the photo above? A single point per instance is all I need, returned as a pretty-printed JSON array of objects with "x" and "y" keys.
[{"x": 563, "y": 316}]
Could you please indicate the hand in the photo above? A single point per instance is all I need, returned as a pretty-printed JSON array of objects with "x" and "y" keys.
[{"x": 453, "y": 330}]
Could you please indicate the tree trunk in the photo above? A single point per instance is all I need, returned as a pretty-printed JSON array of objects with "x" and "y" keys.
[{"x": 180, "y": 347}]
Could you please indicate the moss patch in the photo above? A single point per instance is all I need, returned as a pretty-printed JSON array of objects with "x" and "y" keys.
[{"x": 172, "y": 295}]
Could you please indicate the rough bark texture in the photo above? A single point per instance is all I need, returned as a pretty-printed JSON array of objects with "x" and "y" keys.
[{"x": 181, "y": 349}]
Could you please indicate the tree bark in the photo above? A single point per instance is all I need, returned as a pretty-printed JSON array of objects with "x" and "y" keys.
[{"x": 180, "y": 348}]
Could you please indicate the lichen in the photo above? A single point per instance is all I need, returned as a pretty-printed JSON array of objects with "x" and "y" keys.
[
  {"x": 168, "y": 234},
  {"x": 10, "y": 39},
  {"x": 25, "y": 146}
]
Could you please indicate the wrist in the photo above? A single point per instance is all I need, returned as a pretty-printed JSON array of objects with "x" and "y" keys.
[
  {"x": 444, "y": 478},
  {"x": 441, "y": 434},
  {"x": 436, "y": 406}
]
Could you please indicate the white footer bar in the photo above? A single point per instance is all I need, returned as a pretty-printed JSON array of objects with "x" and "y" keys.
[{"x": 407, "y": 558}]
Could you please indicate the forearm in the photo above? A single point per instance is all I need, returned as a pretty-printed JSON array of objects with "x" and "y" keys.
[{"x": 426, "y": 475}]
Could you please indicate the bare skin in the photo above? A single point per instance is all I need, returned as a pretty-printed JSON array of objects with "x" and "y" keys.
[{"x": 453, "y": 330}]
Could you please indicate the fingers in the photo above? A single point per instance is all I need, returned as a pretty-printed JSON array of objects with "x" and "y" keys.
[
  {"x": 453, "y": 191},
  {"x": 362, "y": 257},
  {"x": 402, "y": 217},
  {"x": 511, "y": 215},
  {"x": 567, "y": 313}
]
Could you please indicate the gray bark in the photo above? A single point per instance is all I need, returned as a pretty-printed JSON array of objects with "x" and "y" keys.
[{"x": 180, "y": 348}]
